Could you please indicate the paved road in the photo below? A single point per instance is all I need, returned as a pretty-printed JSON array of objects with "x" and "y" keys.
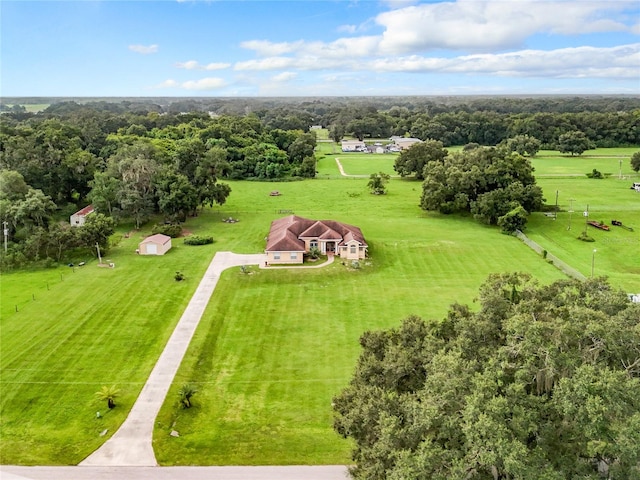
[
  {"x": 131, "y": 444},
  {"x": 328, "y": 472}
]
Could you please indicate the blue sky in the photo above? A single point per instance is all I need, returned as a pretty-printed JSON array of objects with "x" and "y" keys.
[{"x": 318, "y": 48}]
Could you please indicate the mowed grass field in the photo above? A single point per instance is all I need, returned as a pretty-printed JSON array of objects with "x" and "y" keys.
[{"x": 274, "y": 346}]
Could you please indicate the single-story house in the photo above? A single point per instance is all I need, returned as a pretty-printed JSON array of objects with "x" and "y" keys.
[
  {"x": 403, "y": 143},
  {"x": 353, "y": 146},
  {"x": 291, "y": 237},
  {"x": 78, "y": 218},
  {"x": 157, "y": 244}
]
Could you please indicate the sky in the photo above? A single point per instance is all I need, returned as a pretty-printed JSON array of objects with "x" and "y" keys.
[{"x": 268, "y": 48}]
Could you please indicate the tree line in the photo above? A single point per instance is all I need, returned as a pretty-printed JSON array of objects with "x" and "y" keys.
[{"x": 135, "y": 158}]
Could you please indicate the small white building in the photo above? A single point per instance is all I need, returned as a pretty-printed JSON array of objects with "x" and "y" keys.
[
  {"x": 157, "y": 244},
  {"x": 78, "y": 218}
]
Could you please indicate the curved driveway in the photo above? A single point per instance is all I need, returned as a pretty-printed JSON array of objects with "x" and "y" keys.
[
  {"x": 131, "y": 444},
  {"x": 128, "y": 454}
]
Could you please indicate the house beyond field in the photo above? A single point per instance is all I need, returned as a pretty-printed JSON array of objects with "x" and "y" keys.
[
  {"x": 291, "y": 237},
  {"x": 78, "y": 218},
  {"x": 155, "y": 245}
]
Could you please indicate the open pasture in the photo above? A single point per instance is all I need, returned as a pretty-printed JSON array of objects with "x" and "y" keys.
[
  {"x": 274, "y": 346},
  {"x": 617, "y": 250},
  {"x": 75, "y": 330},
  {"x": 360, "y": 164},
  {"x": 615, "y": 161}
]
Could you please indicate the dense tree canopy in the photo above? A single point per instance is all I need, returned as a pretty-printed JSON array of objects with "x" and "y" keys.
[
  {"x": 538, "y": 382},
  {"x": 488, "y": 182},
  {"x": 635, "y": 162},
  {"x": 129, "y": 157},
  {"x": 412, "y": 160},
  {"x": 574, "y": 143}
]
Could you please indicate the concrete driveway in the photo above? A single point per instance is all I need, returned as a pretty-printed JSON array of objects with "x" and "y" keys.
[
  {"x": 128, "y": 454},
  {"x": 131, "y": 444}
]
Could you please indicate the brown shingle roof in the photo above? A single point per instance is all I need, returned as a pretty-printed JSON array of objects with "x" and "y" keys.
[
  {"x": 158, "y": 238},
  {"x": 286, "y": 233},
  {"x": 85, "y": 211}
]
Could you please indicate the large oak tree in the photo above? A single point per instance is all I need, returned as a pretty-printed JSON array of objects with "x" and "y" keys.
[{"x": 536, "y": 382}]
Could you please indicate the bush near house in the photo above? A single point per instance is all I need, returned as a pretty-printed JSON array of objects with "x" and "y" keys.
[{"x": 198, "y": 240}]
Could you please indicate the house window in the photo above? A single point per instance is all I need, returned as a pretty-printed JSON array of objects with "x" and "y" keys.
[
  {"x": 294, "y": 255},
  {"x": 313, "y": 244},
  {"x": 353, "y": 249},
  {"x": 276, "y": 255}
]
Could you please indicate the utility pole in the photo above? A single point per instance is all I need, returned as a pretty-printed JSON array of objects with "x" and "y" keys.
[
  {"x": 620, "y": 169},
  {"x": 6, "y": 234},
  {"x": 593, "y": 261},
  {"x": 570, "y": 212},
  {"x": 586, "y": 220},
  {"x": 99, "y": 257}
]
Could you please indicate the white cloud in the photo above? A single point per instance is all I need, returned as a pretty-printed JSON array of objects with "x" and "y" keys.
[
  {"x": 210, "y": 83},
  {"x": 170, "y": 83},
  {"x": 463, "y": 25},
  {"x": 483, "y": 25},
  {"x": 271, "y": 63},
  {"x": 347, "y": 28},
  {"x": 194, "y": 65},
  {"x": 490, "y": 37},
  {"x": 351, "y": 46},
  {"x": 266, "y": 48},
  {"x": 615, "y": 62},
  {"x": 284, "y": 76},
  {"x": 579, "y": 62},
  {"x": 144, "y": 49}
]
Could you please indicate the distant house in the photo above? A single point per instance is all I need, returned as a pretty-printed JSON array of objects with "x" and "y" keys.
[
  {"x": 402, "y": 143},
  {"x": 157, "y": 244},
  {"x": 290, "y": 237},
  {"x": 78, "y": 218},
  {"x": 353, "y": 146},
  {"x": 315, "y": 127}
]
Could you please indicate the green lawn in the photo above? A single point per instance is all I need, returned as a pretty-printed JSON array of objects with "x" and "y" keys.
[
  {"x": 615, "y": 161},
  {"x": 78, "y": 329},
  {"x": 274, "y": 346},
  {"x": 618, "y": 250}
]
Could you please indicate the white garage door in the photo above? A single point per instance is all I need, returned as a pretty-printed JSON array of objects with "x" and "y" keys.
[{"x": 152, "y": 249}]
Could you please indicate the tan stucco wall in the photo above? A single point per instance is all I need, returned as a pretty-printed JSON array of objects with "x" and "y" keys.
[
  {"x": 285, "y": 257},
  {"x": 345, "y": 252},
  {"x": 162, "y": 249}
]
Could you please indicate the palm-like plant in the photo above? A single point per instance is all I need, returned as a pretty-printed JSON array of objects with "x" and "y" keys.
[
  {"x": 109, "y": 394},
  {"x": 185, "y": 393}
]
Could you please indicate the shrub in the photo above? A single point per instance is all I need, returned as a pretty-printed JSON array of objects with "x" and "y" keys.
[
  {"x": 185, "y": 393},
  {"x": 173, "y": 230},
  {"x": 586, "y": 238},
  {"x": 197, "y": 240},
  {"x": 179, "y": 276},
  {"x": 595, "y": 174}
]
